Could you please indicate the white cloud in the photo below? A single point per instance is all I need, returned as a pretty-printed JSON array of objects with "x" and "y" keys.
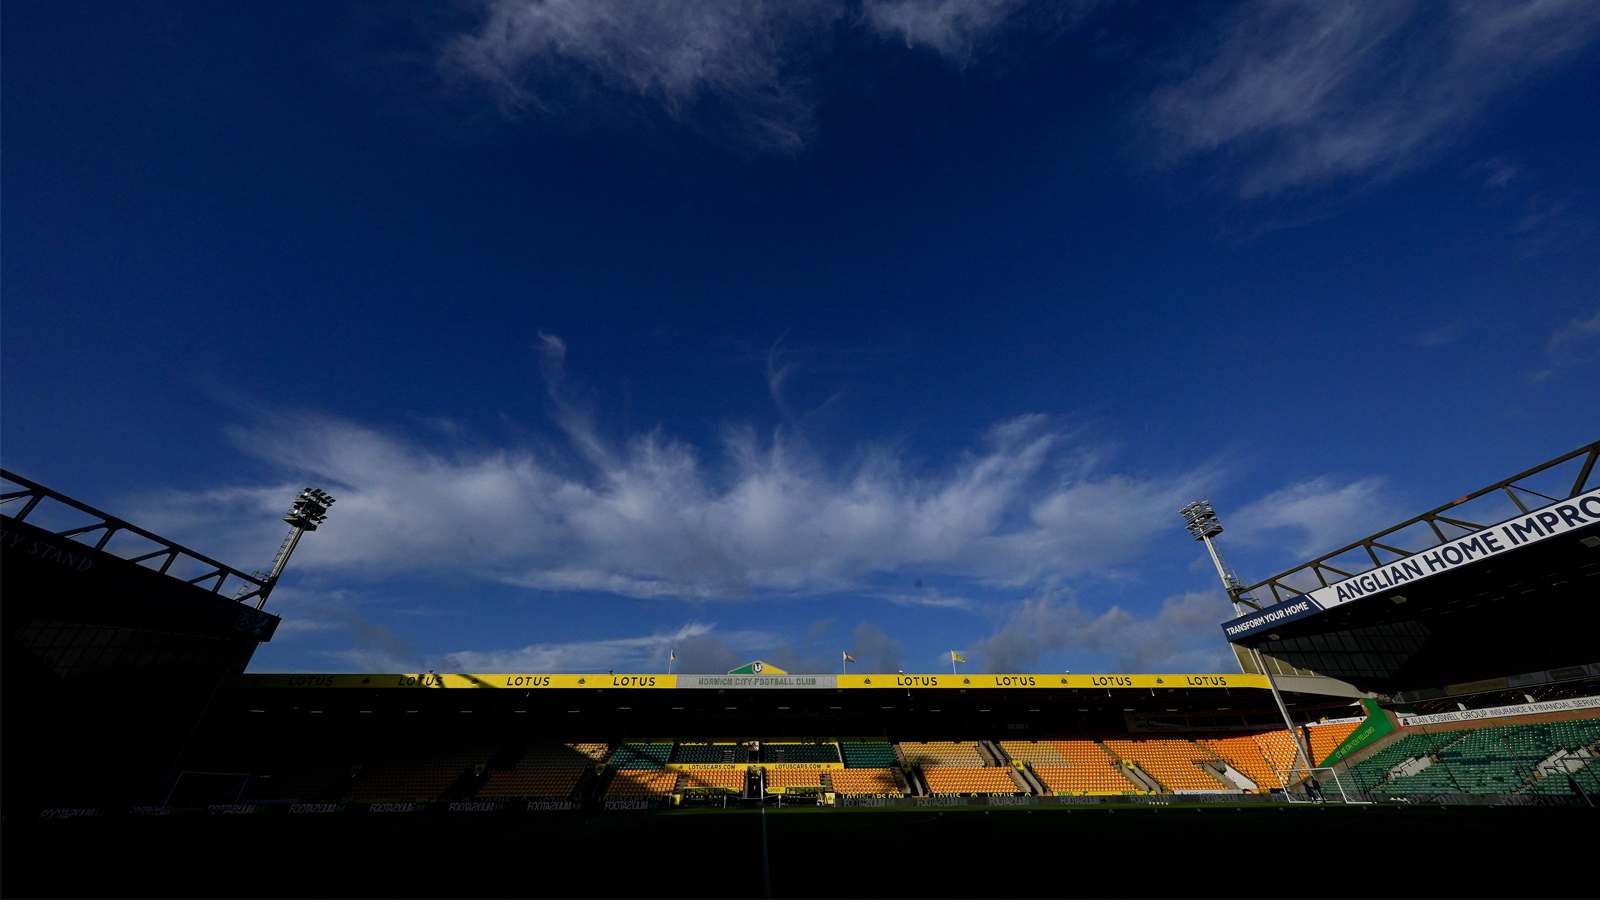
[
  {"x": 1182, "y": 637},
  {"x": 548, "y": 55},
  {"x": 1307, "y": 91},
  {"x": 952, "y": 27},
  {"x": 1567, "y": 343},
  {"x": 1328, "y": 514},
  {"x": 649, "y": 517},
  {"x": 930, "y": 598},
  {"x": 635, "y": 654},
  {"x": 745, "y": 60}
]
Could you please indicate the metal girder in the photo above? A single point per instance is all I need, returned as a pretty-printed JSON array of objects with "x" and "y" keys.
[
  {"x": 1432, "y": 518},
  {"x": 35, "y": 492}
]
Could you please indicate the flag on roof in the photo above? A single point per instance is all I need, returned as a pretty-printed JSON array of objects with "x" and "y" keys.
[
  {"x": 849, "y": 658},
  {"x": 957, "y": 657}
]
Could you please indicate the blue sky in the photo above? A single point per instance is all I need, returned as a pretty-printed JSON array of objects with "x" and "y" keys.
[{"x": 780, "y": 329}]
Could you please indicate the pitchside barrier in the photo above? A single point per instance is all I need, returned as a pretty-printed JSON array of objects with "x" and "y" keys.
[
  {"x": 470, "y": 681},
  {"x": 540, "y": 807}
]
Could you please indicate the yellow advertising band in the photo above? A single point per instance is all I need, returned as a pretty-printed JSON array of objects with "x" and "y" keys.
[{"x": 842, "y": 682}]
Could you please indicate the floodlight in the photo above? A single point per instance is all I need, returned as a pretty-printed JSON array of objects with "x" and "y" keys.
[
  {"x": 310, "y": 509},
  {"x": 1201, "y": 520}
]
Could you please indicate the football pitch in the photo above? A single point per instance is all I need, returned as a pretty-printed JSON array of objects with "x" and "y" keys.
[{"x": 1195, "y": 850}]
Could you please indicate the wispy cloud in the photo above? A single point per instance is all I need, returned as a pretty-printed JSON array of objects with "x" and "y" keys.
[
  {"x": 649, "y": 516},
  {"x": 954, "y": 28},
  {"x": 1500, "y": 173},
  {"x": 1325, "y": 513},
  {"x": 1567, "y": 345},
  {"x": 635, "y": 654},
  {"x": 1301, "y": 93},
  {"x": 1182, "y": 636},
  {"x": 743, "y": 64},
  {"x": 553, "y": 56},
  {"x": 930, "y": 598},
  {"x": 1448, "y": 333}
]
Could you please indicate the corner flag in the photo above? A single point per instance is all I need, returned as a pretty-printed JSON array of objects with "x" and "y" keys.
[{"x": 957, "y": 657}]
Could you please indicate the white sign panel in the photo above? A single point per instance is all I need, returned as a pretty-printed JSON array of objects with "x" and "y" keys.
[
  {"x": 1496, "y": 712},
  {"x": 758, "y": 682}
]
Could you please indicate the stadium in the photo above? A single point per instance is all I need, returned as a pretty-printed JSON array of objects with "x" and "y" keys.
[{"x": 1381, "y": 683}]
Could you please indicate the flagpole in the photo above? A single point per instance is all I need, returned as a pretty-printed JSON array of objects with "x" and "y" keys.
[
  {"x": 842, "y": 668},
  {"x": 952, "y": 662},
  {"x": 670, "y": 657}
]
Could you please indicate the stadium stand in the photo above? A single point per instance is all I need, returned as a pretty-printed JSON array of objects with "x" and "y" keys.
[
  {"x": 1324, "y": 739},
  {"x": 302, "y": 784},
  {"x": 547, "y": 785},
  {"x": 800, "y": 753},
  {"x": 1088, "y": 770},
  {"x": 1279, "y": 748},
  {"x": 788, "y": 778},
  {"x": 418, "y": 774},
  {"x": 1497, "y": 760},
  {"x": 560, "y": 757},
  {"x": 1374, "y": 770},
  {"x": 934, "y": 754},
  {"x": 1174, "y": 762},
  {"x": 868, "y": 755},
  {"x": 1244, "y": 753},
  {"x": 642, "y": 756},
  {"x": 645, "y": 783},
  {"x": 1035, "y": 753},
  {"x": 703, "y": 779},
  {"x": 547, "y": 771},
  {"x": 864, "y": 781},
  {"x": 944, "y": 779},
  {"x": 710, "y": 753}
]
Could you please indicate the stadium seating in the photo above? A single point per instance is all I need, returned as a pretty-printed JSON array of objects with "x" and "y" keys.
[
  {"x": 1496, "y": 760},
  {"x": 418, "y": 773},
  {"x": 868, "y": 755},
  {"x": 1279, "y": 749},
  {"x": 644, "y": 783},
  {"x": 711, "y": 753},
  {"x": 641, "y": 756},
  {"x": 303, "y": 784},
  {"x": 1374, "y": 770},
  {"x": 560, "y": 757},
  {"x": 1244, "y": 753},
  {"x": 800, "y": 753},
  {"x": 402, "y": 784},
  {"x": 547, "y": 771},
  {"x": 1324, "y": 739},
  {"x": 1574, "y": 737},
  {"x": 955, "y": 780},
  {"x": 1088, "y": 770},
  {"x": 864, "y": 781},
  {"x": 724, "y": 779},
  {"x": 787, "y": 778},
  {"x": 550, "y": 785},
  {"x": 1035, "y": 753},
  {"x": 1174, "y": 762},
  {"x": 933, "y": 754}
]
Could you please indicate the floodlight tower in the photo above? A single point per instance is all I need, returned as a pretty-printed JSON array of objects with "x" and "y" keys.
[
  {"x": 309, "y": 509},
  {"x": 1201, "y": 521}
]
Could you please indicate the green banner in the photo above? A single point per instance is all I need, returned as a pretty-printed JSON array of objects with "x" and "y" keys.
[{"x": 1376, "y": 726}]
